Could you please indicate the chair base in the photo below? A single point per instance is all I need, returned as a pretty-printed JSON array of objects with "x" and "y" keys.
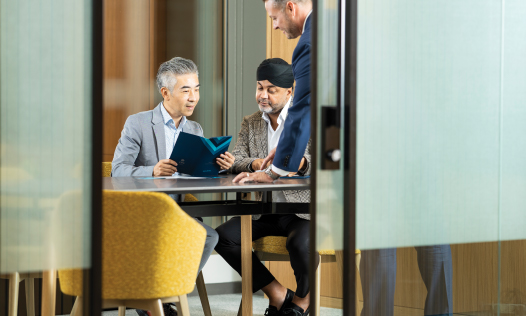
[
  {"x": 203, "y": 296},
  {"x": 14, "y": 288},
  {"x": 155, "y": 306}
]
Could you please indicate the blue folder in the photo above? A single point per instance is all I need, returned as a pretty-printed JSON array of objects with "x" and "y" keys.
[{"x": 196, "y": 155}]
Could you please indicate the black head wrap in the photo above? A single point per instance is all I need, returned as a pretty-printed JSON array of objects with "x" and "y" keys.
[{"x": 276, "y": 71}]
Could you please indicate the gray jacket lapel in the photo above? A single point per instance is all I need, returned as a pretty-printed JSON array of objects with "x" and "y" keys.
[{"x": 158, "y": 132}]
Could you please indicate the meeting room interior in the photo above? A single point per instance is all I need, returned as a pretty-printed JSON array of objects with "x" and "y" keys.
[{"x": 262, "y": 157}]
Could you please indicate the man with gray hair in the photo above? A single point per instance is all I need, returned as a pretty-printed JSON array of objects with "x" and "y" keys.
[{"x": 148, "y": 137}]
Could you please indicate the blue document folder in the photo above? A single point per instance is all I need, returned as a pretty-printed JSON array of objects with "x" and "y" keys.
[{"x": 196, "y": 155}]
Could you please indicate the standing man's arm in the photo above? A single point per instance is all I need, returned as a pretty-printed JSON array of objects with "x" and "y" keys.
[{"x": 296, "y": 131}]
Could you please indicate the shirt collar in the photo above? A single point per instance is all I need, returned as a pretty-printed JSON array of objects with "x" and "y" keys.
[
  {"x": 167, "y": 118},
  {"x": 282, "y": 115},
  {"x": 305, "y": 22}
]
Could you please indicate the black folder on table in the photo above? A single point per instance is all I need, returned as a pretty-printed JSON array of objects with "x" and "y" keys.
[{"x": 196, "y": 155}]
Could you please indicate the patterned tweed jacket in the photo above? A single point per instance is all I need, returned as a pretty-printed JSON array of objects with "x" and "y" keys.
[{"x": 252, "y": 143}]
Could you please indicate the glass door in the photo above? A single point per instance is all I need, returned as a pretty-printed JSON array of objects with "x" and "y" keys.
[
  {"x": 331, "y": 114},
  {"x": 423, "y": 102}
]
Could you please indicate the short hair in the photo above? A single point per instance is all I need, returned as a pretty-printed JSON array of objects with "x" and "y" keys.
[
  {"x": 174, "y": 67},
  {"x": 280, "y": 4}
]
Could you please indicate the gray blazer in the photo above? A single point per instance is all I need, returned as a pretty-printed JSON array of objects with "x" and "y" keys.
[
  {"x": 142, "y": 143},
  {"x": 252, "y": 143}
]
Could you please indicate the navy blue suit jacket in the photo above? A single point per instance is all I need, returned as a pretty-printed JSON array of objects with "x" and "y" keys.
[{"x": 296, "y": 132}]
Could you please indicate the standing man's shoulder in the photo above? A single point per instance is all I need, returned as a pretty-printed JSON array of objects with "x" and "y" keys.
[{"x": 301, "y": 54}]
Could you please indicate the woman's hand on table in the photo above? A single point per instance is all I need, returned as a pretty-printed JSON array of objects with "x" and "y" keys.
[{"x": 226, "y": 161}]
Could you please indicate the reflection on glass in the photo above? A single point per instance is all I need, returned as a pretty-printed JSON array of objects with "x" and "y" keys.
[{"x": 441, "y": 172}]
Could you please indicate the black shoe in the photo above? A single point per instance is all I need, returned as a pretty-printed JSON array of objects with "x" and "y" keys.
[
  {"x": 288, "y": 299},
  {"x": 169, "y": 309},
  {"x": 272, "y": 311},
  {"x": 140, "y": 312},
  {"x": 294, "y": 310}
]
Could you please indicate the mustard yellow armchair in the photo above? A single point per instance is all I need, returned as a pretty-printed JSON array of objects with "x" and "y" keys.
[
  {"x": 200, "y": 282},
  {"x": 151, "y": 252}
]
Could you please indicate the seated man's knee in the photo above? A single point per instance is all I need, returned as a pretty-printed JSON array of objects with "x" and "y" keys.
[
  {"x": 212, "y": 237},
  {"x": 297, "y": 244}
]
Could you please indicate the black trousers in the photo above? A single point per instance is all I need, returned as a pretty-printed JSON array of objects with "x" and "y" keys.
[{"x": 294, "y": 228}]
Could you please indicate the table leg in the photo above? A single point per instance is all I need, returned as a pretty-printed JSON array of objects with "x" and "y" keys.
[
  {"x": 246, "y": 264},
  {"x": 49, "y": 287}
]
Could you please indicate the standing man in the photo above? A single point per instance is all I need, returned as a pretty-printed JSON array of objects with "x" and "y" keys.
[
  {"x": 293, "y": 18},
  {"x": 259, "y": 134},
  {"x": 377, "y": 267},
  {"x": 148, "y": 138}
]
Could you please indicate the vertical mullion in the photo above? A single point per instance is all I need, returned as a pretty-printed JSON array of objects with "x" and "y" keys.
[
  {"x": 314, "y": 158},
  {"x": 92, "y": 289},
  {"x": 350, "y": 148}
]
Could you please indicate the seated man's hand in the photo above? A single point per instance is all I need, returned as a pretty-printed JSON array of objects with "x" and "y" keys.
[
  {"x": 256, "y": 164},
  {"x": 226, "y": 161},
  {"x": 252, "y": 177},
  {"x": 268, "y": 160},
  {"x": 165, "y": 167}
]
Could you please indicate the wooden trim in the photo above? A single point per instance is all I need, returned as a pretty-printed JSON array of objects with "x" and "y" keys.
[
  {"x": 246, "y": 264},
  {"x": 152, "y": 27},
  {"x": 269, "y": 37},
  {"x": 157, "y": 39},
  {"x": 331, "y": 302}
]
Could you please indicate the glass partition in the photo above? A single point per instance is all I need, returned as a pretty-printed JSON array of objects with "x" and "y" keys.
[
  {"x": 441, "y": 157},
  {"x": 45, "y": 134},
  {"x": 329, "y": 196},
  {"x": 440, "y": 154},
  {"x": 46, "y": 68}
]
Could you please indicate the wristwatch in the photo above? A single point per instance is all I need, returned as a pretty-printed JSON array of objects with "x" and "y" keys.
[{"x": 271, "y": 174}]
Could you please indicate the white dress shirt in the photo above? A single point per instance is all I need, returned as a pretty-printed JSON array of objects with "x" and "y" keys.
[
  {"x": 171, "y": 133},
  {"x": 273, "y": 139},
  {"x": 305, "y": 22}
]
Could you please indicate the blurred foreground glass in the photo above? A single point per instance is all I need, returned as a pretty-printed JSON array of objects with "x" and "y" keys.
[
  {"x": 441, "y": 157},
  {"x": 45, "y": 62}
]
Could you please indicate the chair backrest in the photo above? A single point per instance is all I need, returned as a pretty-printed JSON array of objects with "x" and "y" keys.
[
  {"x": 106, "y": 169},
  {"x": 151, "y": 248}
]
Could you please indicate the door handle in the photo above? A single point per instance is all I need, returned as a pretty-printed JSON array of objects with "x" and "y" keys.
[{"x": 330, "y": 138}]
